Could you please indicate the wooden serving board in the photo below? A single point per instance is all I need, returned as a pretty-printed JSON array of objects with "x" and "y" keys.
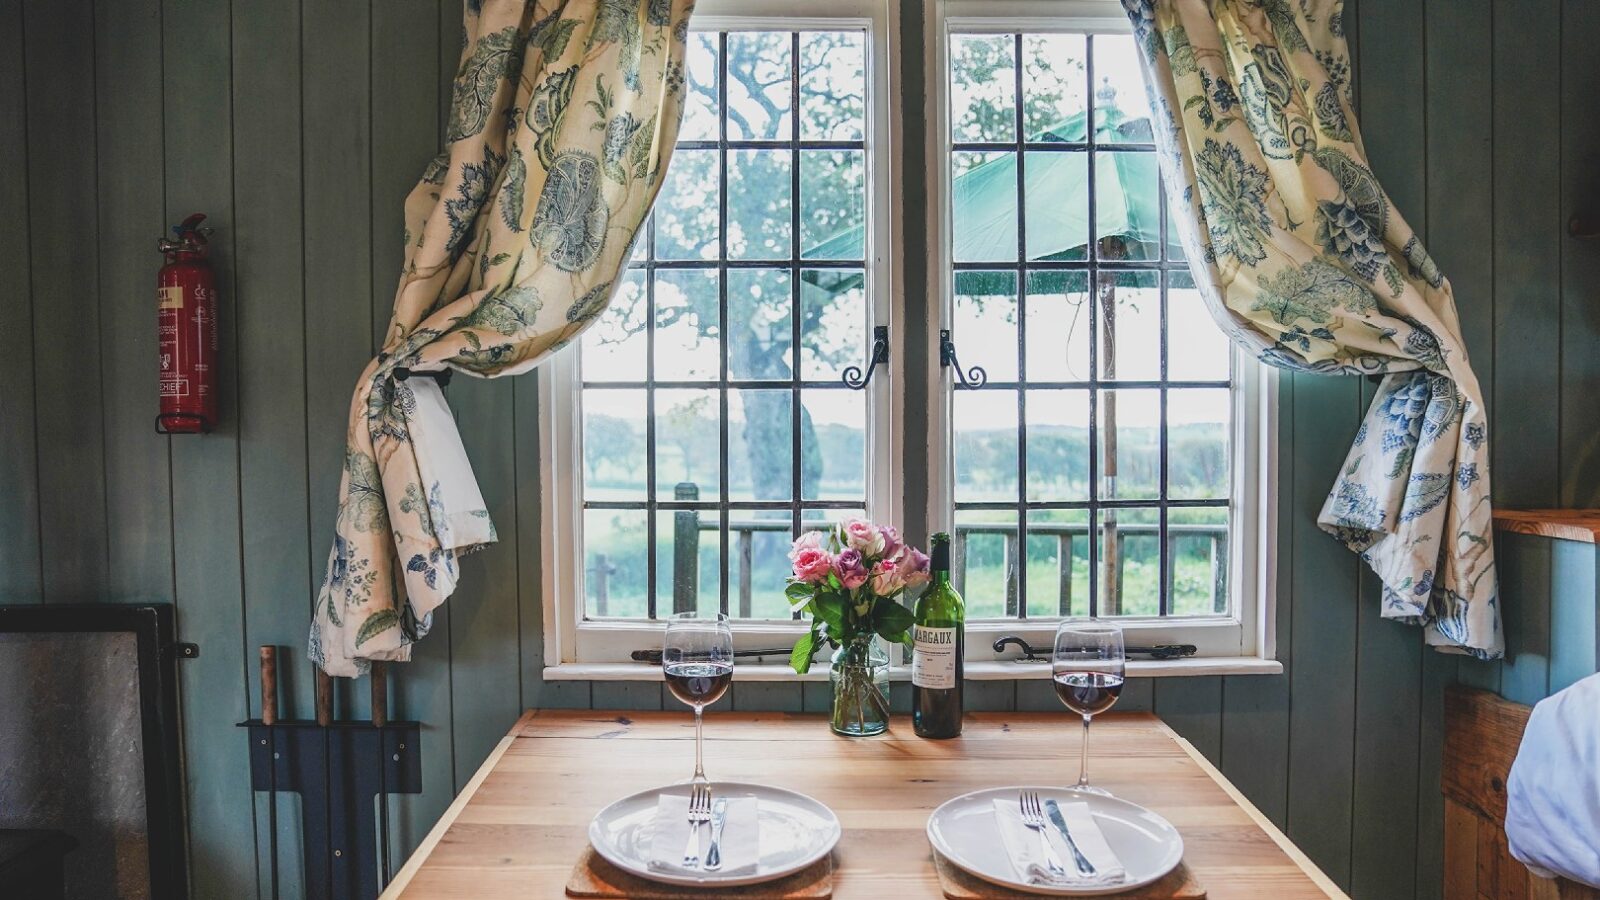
[
  {"x": 1179, "y": 884},
  {"x": 595, "y": 877}
]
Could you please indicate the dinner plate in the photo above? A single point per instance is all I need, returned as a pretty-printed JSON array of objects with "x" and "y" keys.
[
  {"x": 964, "y": 832},
  {"x": 796, "y": 831}
]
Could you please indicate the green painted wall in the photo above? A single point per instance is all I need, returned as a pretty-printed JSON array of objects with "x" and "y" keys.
[{"x": 300, "y": 128}]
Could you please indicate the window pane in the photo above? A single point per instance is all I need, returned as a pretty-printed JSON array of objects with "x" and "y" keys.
[
  {"x": 614, "y": 348},
  {"x": 1058, "y": 205},
  {"x": 983, "y": 562},
  {"x": 984, "y": 207},
  {"x": 983, "y": 92},
  {"x": 759, "y": 71},
  {"x": 687, "y": 337},
  {"x": 833, "y": 322},
  {"x": 833, "y": 204},
  {"x": 1053, "y": 87},
  {"x": 760, "y": 329},
  {"x": 687, "y": 456},
  {"x": 1057, "y": 334},
  {"x": 833, "y": 85},
  {"x": 985, "y": 322},
  {"x": 614, "y": 563},
  {"x": 759, "y": 192},
  {"x": 1129, "y": 576},
  {"x": 1198, "y": 350},
  {"x": 1058, "y": 445},
  {"x": 1130, "y": 325},
  {"x": 686, "y": 209},
  {"x": 759, "y": 541},
  {"x": 700, "y": 104},
  {"x": 833, "y": 445},
  {"x": 1197, "y": 452},
  {"x": 1058, "y": 562},
  {"x": 760, "y": 432},
  {"x": 1198, "y": 542},
  {"x": 1129, "y": 422},
  {"x": 614, "y": 444},
  {"x": 1122, "y": 109},
  {"x": 1127, "y": 214},
  {"x": 688, "y": 561},
  {"x": 986, "y": 445}
]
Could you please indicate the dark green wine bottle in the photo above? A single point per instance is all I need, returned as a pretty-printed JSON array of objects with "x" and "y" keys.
[{"x": 936, "y": 665}]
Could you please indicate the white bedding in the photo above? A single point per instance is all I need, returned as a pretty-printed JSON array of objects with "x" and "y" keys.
[{"x": 1553, "y": 794}]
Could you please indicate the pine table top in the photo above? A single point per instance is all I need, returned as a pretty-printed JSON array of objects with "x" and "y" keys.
[{"x": 520, "y": 823}]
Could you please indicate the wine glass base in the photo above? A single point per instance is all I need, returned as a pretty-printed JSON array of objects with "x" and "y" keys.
[{"x": 1090, "y": 789}]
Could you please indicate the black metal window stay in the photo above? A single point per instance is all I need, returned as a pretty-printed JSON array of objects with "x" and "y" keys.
[{"x": 1093, "y": 264}]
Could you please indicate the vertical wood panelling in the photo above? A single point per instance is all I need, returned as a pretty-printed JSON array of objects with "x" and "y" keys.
[
  {"x": 1527, "y": 252},
  {"x": 1524, "y": 562},
  {"x": 59, "y": 52},
  {"x": 1323, "y": 629},
  {"x": 20, "y": 568},
  {"x": 138, "y": 483},
  {"x": 1193, "y": 707},
  {"x": 268, "y": 247},
  {"x": 1388, "y": 674},
  {"x": 1573, "y": 626},
  {"x": 205, "y": 498},
  {"x": 1580, "y": 258}
]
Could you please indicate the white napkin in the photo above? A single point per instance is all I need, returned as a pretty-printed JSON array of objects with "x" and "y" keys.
[
  {"x": 741, "y": 836},
  {"x": 1022, "y": 845}
]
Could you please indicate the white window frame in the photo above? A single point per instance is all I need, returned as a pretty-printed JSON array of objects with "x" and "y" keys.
[
  {"x": 1241, "y": 641},
  {"x": 588, "y": 649}
]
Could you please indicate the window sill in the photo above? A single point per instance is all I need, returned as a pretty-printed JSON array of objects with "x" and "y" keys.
[{"x": 975, "y": 671}]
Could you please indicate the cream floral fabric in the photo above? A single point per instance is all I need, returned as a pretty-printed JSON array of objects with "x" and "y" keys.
[
  {"x": 562, "y": 118},
  {"x": 1302, "y": 257}
]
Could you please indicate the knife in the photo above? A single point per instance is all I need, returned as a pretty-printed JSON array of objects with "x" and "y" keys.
[
  {"x": 1054, "y": 811},
  {"x": 719, "y": 818}
]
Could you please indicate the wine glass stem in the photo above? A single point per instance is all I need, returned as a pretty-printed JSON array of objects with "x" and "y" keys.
[
  {"x": 699, "y": 765},
  {"x": 1083, "y": 759}
]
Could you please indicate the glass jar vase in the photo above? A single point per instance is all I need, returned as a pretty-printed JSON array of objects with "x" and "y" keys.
[{"x": 860, "y": 679}]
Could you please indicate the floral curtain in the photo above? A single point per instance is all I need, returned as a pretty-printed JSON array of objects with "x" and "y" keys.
[
  {"x": 1301, "y": 257},
  {"x": 563, "y": 115}
]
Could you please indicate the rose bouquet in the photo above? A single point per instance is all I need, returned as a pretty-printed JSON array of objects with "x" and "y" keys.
[{"x": 848, "y": 579}]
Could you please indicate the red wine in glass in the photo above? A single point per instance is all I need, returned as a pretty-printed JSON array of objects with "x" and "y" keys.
[
  {"x": 698, "y": 683},
  {"x": 1088, "y": 693}
]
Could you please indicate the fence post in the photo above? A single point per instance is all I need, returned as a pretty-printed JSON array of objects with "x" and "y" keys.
[
  {"x": 1013, "y": 574},
  {"x": 747, "y": 539},
  {"x": 1064, "y": 570},
  {"x": 1219, "y": 574},
  {"x": 601, "y": 592},
  {"x": 686, "y": 551}
]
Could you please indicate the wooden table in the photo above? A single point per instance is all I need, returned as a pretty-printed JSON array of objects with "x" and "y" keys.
[{"x": 521, "y": 822}]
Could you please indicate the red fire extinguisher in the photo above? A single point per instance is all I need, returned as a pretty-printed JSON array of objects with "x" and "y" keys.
[{"x": 186, "y": 327}]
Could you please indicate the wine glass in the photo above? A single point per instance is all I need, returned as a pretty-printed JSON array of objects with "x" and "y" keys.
[
  {"x": 697, "y": 661},
  {"x": 1087, "y": 667}
]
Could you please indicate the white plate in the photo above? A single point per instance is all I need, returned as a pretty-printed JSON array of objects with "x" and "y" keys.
[
  {"x": 963, "y": 831},
  {"x": 796, "y": 831}
]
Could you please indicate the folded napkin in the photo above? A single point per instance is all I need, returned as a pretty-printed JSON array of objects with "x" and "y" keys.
[
  {"x": 1027, "y": 857},
  {"x": 741, "y": 836}
]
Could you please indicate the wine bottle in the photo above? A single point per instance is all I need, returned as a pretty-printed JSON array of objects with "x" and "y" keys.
[{"x": 940, "y": 640}]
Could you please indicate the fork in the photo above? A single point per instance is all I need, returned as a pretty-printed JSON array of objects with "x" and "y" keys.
[
  {"x": 699, "y": 814},
  {"x": 1033, "y": 817}
]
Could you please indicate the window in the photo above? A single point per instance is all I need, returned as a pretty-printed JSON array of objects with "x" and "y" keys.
[{"x": 1110, "y": 463}]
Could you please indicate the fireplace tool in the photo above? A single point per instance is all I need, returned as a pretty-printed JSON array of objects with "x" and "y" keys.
[{"x": 339, "y": 768}]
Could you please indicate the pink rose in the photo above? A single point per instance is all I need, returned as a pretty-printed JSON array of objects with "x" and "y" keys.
[
  {"x": 812, "y": 565},
  {"x": 848, "y": 566},
  {"x": 861, "y": 535},
  {"x": 811, "y": 540},
  {"x": 887, "y": 578},
  {"x": 913, "y": 566},
  {"x": 891, "y": 540}
]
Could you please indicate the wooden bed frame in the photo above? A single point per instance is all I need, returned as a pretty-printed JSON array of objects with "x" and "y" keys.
[{"x": 1482, "y": 733}]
